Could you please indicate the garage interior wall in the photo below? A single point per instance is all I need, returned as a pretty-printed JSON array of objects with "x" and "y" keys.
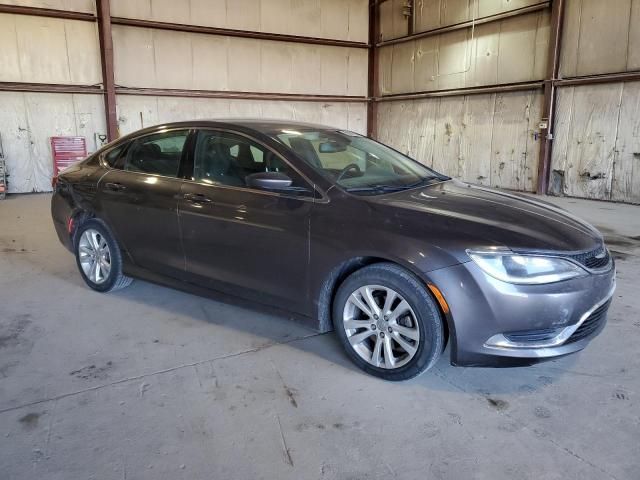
[
  {"x": 466, "y": 97},
  {"x": 457, "y": 84},
  {"x": 163, "y": 74}
]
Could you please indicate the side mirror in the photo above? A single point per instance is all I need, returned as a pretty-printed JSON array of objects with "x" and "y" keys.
[{"x": 269, "y": 180}]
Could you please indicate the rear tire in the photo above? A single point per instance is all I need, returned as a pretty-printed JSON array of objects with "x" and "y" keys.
[
  {"x": 98, "y": 257},
  {"x": 388, "y": 323}
]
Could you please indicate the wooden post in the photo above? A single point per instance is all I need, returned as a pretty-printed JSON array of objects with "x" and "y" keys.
[{"x": 106, "y": 58}]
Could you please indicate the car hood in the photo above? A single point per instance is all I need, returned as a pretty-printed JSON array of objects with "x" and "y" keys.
[{"x": 469, "y": 216}]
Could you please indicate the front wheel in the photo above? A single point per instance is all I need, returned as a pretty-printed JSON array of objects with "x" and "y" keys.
[
  {"x": 98, "y": 257},
  {"x": 388, "y": 322}
]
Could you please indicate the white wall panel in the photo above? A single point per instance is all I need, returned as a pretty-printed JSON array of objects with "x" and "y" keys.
[
  {"x": 600, "y": 37},
  {"x": 29, "y": 120},
  {"x": 86, "y": 6},
  {"x": 138, "y": 111},
  {"x": 165, "y": 59},
  {"x": 486, "y": 139},
  {"x": 512, "y": 50},
  {"x": 335, "y": 19},
  {"x": 597, "y": 148},
  {"x": 431, "y": 14},
  {"x": 48, "y": 50}
]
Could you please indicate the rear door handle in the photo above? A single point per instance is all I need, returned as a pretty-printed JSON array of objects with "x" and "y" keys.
[
  {"x": 196, "y": 198},
  {"x": 114, "y": 186}
]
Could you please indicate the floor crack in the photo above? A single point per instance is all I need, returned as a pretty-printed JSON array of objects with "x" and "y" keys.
[
  {"x": 159, "y": 372},
  {"x": 287, "y": 454}
]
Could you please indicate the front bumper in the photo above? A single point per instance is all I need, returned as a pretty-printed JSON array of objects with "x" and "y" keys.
[{"x": 494, "y": 323}]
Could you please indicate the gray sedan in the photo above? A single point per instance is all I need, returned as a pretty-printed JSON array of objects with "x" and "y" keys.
[{"x": 345, "y": 232}]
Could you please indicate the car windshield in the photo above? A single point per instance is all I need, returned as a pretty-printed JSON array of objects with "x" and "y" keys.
[{"x": 356, "y": 163}]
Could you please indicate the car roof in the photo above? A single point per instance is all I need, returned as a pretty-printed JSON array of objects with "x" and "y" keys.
[{"x": 257, "y": 124}]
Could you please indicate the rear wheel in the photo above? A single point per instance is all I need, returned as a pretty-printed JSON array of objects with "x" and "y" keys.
[
  {"x": 98, "y": 257},
  {"x": 388, "y": 322}
]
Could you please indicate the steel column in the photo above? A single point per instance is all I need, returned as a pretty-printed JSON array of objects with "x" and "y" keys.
[
  {"x": 106, "y": 59},
  {"x": 372, "y": 70},
  {"x": 548, "y": 107}
]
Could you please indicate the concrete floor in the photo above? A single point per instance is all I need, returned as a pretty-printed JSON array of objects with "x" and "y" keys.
[{"x": 153, "y": 383}]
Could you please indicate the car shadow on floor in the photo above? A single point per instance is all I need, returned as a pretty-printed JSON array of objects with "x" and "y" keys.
[{"x": 268, "y": 322}]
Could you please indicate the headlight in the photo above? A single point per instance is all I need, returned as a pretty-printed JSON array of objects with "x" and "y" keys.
[{"x": 525, "y": 269}]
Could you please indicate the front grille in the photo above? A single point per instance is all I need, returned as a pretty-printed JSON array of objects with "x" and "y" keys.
[
  {"x": 532, "y": 335},
  {"x": 594, "y": 259},
  {"x": 592, "y": 324}
]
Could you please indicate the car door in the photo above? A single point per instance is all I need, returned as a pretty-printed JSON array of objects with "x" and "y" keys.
[
  {"x": 139, "y": 200},
  {"x": 242, "y": 240}
]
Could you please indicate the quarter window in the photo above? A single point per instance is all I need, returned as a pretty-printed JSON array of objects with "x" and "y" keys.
[
  {"x": 112, "y": 156},
  {"x": 157, "y": 154}
]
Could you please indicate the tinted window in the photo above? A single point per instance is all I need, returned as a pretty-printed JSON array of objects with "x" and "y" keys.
[
  {"x": 112, "y": 156},
  {"x": 355, "y": 162},
  {"x": 227, "y": 159},
  {"x": 158, "y": 154}
]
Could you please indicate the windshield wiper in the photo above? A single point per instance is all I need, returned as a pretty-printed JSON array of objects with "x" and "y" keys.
[
  {"x": 376, "y": 188},
  {"x": 393, "y": 188}
]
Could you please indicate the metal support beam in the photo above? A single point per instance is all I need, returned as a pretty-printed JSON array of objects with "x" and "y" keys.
[
  {"x": 467, "y": 24},
  {"x": 47, "y": 12},
  {"x": 548, "y": 106},
  {"x": 228, "y": 32},
  {"x": 49, "y": 88},
  {"x": 231, "y": 95},
  {"x": 410, "y": 8},
  {"x": 631, "y": 76},
  {"x": 505, "y": 87},
  {"x": 372, "y": 70},
  {"x": 106, "y": 59}
]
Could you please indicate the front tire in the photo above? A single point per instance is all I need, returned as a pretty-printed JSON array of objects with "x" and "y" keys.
[
  {"x": 388, "y": 323},
  {"x": 98, "y": 257}
]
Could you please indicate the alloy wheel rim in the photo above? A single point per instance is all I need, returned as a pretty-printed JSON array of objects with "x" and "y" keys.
[
  {"x": 95, "y": 256},
  {"x": 381, "y": 326}
]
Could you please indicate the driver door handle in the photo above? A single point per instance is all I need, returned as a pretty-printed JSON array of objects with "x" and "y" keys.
[{"x": 196, "y": 198}]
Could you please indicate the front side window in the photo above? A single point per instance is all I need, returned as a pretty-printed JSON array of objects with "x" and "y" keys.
[
  {"x": 356, "y": 163},
  {"x": 157, "y": 154},
  {"x": 228, "y": 159}
]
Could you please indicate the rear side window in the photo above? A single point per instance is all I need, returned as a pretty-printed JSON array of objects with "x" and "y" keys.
[{"x": 157, "y": 154}]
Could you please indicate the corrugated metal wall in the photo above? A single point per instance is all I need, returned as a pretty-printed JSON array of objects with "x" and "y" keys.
[{"x": 43, "y": 50}]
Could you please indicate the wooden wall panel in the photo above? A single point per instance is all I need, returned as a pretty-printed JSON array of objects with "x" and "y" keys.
[
  {"x": 335, "y": 19},
  {"x": 485, "y": 139},
  {"x": 431, "y": 14},
  {"x": 138, "y": 111},
  {"x": 165, "y": 59},
  {"x": 48, "y": 50},
  {"x": 597, "y": 142},
  {"x": 600, "y": 37},
  {"x": 393, "y": 24},
  {"x": 583, "y": 161},
  {"x": 512, "y": 50},
  {"x": 86, "y": 6},
  {"x": 626, "y": 174},
  {"x": 28, "y": 120}
]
